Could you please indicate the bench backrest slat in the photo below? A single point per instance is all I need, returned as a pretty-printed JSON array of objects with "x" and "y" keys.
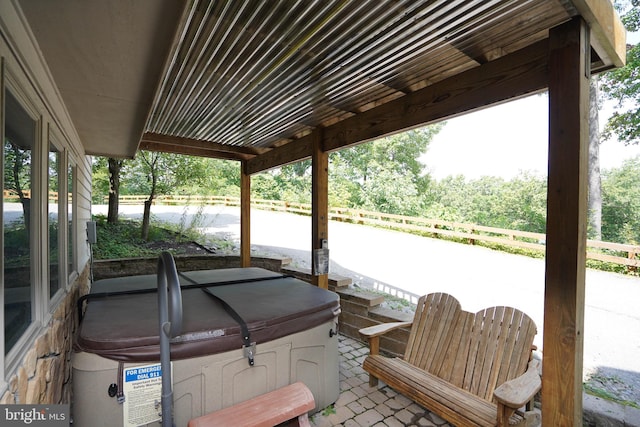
[
  {"x": 476, "y": 352},
  {"x": 435, "y": 316}
]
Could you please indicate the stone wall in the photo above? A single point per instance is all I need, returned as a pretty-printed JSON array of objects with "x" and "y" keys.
[
  {"x": 360, "y": 309},
  {"x": 44, "y": 376}
]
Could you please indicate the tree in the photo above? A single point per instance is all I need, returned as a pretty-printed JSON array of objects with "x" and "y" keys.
[
  {"x": 99, "y": 180},
  {"x": 221, "y": 177},
  {"x": 621, "y": 206},
  {"x": 623, "y": 84},
  {"x": 115, "y": 166},
  {"x": 361, "y": 169},
  {"x": 390, "y": 191},
  {"x": 155, "y": 173},
  {"x": 594, "y": 207},
  {"x": 518, "y": 204},
  {"x": 524, "y": 203},
  {"x": 150, "y": 160},
  {"x": 17, "y": 176}
]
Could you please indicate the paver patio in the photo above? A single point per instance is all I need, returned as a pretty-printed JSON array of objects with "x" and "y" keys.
[{"x": 362, "y": 405}]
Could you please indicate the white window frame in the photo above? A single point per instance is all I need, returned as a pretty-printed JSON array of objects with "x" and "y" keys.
[
  {"x": 53, "y": 300},
  {"x": 14, "y": 357},
  {"x": 71, "y": 238}
]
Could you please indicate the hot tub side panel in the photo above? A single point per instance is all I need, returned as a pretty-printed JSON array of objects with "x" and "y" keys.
[{"x": 207, "y": 383}]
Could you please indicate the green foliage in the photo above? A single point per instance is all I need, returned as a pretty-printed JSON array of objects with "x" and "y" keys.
[
  {"x": 16, "y": 244},
  {"x": 100, "y": 182},
  {"x": 609, "y": 387},
  {"x": 383, "y": 175},
  {"x": 524, "y": 206},
  {"x": 519, "y": 204},
  {"x": 391, "y": 192},
  {"x": 17, "y": 169},
  {"x": 178, "y": 175},
  {"x": 329, "y": 410},
  {"x": 290, "y": 182},
  {"x": 623, "y": 84},
  {"x": 122, "y": 239},
  {"x": 222, "y": 177},
  {"x": 621, "y": 203},
  {"x": 294, "y": 180}
]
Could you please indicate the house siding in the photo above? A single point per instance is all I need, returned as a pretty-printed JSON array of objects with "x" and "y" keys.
[{"x": 40, "y": 372}]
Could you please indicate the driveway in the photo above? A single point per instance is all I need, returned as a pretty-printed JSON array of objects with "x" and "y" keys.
[{"x": 407, "y": 265}]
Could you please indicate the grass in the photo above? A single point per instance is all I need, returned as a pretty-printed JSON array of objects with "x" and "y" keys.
[
  {"x": 608, "y": 388},
  {"x": 606, "y": 395},
  {"x": 122, "y": 239}
]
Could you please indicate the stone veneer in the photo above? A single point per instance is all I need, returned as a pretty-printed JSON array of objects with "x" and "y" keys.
[
  {"x": 361, "y": 308},
  {"x": 44, "y": 376}
]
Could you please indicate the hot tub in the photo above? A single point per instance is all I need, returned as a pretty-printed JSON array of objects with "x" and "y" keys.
[{"x": 116, "y": 350}]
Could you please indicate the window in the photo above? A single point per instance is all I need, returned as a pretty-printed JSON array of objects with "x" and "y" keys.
[
  {"x": 39, "y": 223},
  {"x": 19, "y": 145},
  {"x": 71, "y": 222},
  {"x": 56, "y": 210}
]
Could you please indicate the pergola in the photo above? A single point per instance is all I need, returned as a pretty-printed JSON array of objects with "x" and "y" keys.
[{"x": 272, "y": 82}]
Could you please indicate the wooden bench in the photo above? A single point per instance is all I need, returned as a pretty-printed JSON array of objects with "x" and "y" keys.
[
  {"x": 291, "y": 402},
  {"x": 470, "y": 369}
]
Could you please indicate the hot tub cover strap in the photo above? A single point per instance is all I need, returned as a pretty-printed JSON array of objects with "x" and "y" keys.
[{"x": 248, "y": 346}]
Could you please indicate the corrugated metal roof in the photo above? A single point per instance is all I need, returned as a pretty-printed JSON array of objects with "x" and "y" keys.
[
  {"x": 260, "y": 73},
  {"x": 242, "y": 77}
]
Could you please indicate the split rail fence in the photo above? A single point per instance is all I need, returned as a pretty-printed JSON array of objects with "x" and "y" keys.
[{"x": 616, "y": 253}]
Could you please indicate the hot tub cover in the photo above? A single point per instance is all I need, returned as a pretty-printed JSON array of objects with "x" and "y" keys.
[{"x": 125, "y": 327}]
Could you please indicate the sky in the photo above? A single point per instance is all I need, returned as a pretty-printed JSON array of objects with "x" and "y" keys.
[
  {"x": 509, "y": 138},
  {"x": 505, "y": 140}
]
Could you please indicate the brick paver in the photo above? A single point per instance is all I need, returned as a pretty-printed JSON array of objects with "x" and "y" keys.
[{"x": 361, "y": 405}]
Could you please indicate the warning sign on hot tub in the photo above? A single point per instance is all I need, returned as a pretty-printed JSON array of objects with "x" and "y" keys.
[{"x": 142, "y": 391}]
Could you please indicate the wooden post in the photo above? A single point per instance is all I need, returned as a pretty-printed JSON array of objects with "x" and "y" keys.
[
  {"x": 319, "y": 203},
  {"x": 569, "y": 71},
  {"x": 245, "y": 217}
]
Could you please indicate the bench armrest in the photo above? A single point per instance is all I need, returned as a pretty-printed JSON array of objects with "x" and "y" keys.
[
  {"x": 383, "y": 328},
  {"x": 517, "y": 392}
]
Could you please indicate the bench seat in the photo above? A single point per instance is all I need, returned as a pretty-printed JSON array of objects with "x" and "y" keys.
[{"x": 455, "y": 404}]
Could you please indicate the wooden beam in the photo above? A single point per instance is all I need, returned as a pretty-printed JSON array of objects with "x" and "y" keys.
[
  {"x": 608, "y": 35},
  {"x": 196, "y": 147},
  {"x": 319, "y": 203},
  {"x": 511, "y": 76},
  {"x": 189, "y": 151},
  {"x": 245, "y": 217},
  {"x": 566, "y": 224},
  {"x": 294, "y": 151}
]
